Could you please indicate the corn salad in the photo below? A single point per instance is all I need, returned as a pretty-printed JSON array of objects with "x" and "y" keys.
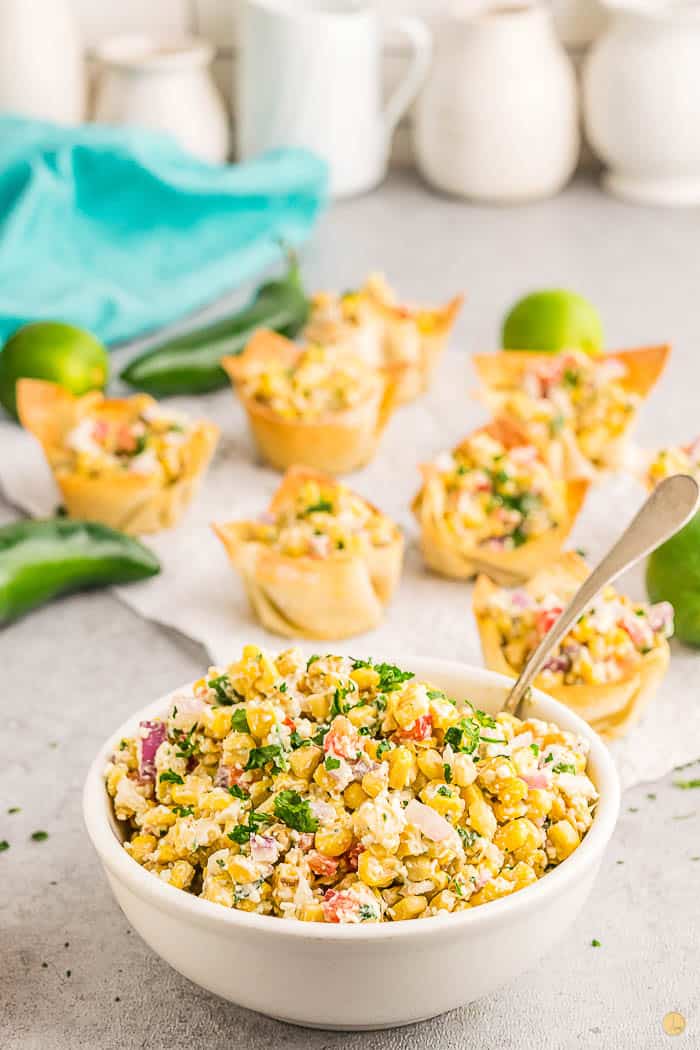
[
  {"x": 319, "y": 383},
  {"x": 498, "y": 497},
  {"x": 578, "y": 393},
  {"x": 604, "y": 645},
  {"x": 681, "y": 459},
  {"x": 345, "y": 791},
  {"x": 322, "y": 519},
  {"x": 147, "y": 440}
]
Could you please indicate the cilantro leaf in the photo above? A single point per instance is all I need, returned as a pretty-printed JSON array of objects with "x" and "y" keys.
[
  {"x": 239, "y": 720},
  {"x": 390, "y": 676},
  {"x": 170, "y": 777},
  {"x": 260, "y": 756},
  {"x": 238, "y": 792},
  {"x": 295, "y": 811}
]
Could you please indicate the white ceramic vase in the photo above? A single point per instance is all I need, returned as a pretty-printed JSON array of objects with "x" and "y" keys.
[
  {"x": 166, "y": 87},
  {"x": 42, "y": 67},
  {"x": 498, "y": 118},
  {"x": 641, "y": 85}
]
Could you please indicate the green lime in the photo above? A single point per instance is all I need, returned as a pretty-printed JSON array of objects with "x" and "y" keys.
[
  {"x": 55, "y": 351},
  {"x": 673, "y": 575},
  {"x": 553, "y": 320}
]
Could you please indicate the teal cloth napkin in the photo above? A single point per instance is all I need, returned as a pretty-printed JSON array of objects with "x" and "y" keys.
[{"x": 120, "y": 231}]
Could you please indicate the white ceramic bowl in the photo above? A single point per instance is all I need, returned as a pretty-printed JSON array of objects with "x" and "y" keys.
[{"x": 368, "y": 976}]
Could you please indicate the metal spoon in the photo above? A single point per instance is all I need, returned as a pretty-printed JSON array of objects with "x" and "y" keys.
[{"x": 672, "y": 503}]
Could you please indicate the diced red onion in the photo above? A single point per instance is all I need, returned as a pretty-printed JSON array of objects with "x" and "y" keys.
[
  {"x": 433, "y": 826},
  {"x": 540, "y": 779},
  {"x": 151, "y": 736},
  {"x": 264, "y": 848}
]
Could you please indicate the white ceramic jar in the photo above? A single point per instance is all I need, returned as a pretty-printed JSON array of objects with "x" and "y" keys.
[
  {"x": 641, "y": 86},
  {"x": 498, "y": 118},
  {"x": 166, "y": 87},
  {"x": 42, "y": 66}
]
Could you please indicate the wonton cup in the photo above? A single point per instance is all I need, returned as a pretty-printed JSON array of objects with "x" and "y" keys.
[
  {"x": 502, "y": 372},
  {"x": 131, "y": 502},
  {"x": 612, "y": 708},
  {"x": 386, "y": 332},
  {"x": 456, "y": 557},
  {"x": 335, "y": 443},
  {"x": 333, "y": 597}
]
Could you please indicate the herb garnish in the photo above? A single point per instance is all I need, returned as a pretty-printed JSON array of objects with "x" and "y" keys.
[
  {"x": 39, "y": 836},
  {"x": 564, "y": 767},
  {"x": 295, "y": 811},
  {"x": 239, "y": 720},
  {"x": 170, "y": 777},
  {"x": 686, "y": 785},
  {"x": 260, "y": 756},
  {"x": 238, "y": 792},
  {"x": 390, "y": 676},
  {"x": 241, "y": 834}
]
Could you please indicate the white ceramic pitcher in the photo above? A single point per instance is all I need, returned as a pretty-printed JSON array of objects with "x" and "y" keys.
[
  {"x": 641, "y": 98},
  {"x": 310, "y": 76},
  {"x": 42, "y": 69}
]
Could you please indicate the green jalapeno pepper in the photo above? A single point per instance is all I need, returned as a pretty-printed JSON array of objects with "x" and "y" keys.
[
  {"x": 40, "y": 560},
  {"x": 189, "y": 364}
]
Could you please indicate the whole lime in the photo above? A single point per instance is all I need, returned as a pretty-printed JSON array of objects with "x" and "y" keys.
[
  {"x": 62, "y": 353},
  {"x": 673, "y": 575},
  {"x": 553, "y": 320}
]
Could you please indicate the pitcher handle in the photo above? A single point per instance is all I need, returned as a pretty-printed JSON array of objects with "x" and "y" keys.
[{"x": 421, "y": 41}]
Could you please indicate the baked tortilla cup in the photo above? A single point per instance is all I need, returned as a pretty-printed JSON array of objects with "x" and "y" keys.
[
  {"x": 134, "y": 503},
  {"x": 334, "y": 443},
  {"x": 460, "y": 559},
  {"x": 611, "y": 709},
  {"x": 331, "y": 597},
  {"x": 415, "y": 336},
  {"x": 384, "y": 331},
  {"x": 502, "y": 372}
]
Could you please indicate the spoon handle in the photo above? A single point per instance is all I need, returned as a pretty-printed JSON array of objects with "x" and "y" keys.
[{"x": 672, "y": 503}]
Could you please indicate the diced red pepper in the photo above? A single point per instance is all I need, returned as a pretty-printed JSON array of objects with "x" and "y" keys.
[
  {"x": 422, "y": 729},
  {"x": 322, "y": 865},
  {"x": 546, "y": 618}
]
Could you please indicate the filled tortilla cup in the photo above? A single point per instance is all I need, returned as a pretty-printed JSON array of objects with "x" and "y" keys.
[
  {"x": 287, "y": 430},
  {"x": 611, "y": 707},
  {"x": 310, "y": 571},
  {"x": 577, "y": 442},
  {"x": 464, "y": 552},
  {"x": 384, "y": 331},
  {"x": 104, "y": 488}
]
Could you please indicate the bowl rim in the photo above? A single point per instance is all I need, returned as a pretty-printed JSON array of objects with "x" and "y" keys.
[{"x": 196, "y": 910}]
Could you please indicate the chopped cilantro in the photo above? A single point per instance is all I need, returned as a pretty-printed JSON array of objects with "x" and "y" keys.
[
  {"x": 320, "y": 735},
  {"x": 367, "y": 912},
  {"x": 549, "y": 758},
  {"x": 436, "y": 694},
  {"x": 331, "y": 762},
  {"x": 390, "y": 676},
  {"x": 382, "y": 747},
  {"x": 295, "y": 811},
  {"x": 311, "y": 660},
  {"x": 444, "y": 791},
  {"x": 170, "y": 777},
  {"x": 186, "y": 744},
  {"x": 241, "y": 834},
  {"x": 296, "y": 740},
  {"x": 570, "y": 377},
  {"x": 282, "y": 687},
  {"x": 223, "y": 688},
  {"x": 4, "y": 844},
  {"x": 595, "y": 943},
  {"x": 564, "y": 767},
  {"x": 535, "y": 748},
  {"x": 260, "y": 756},
  {"x": 447, "y": 771},
  {"x": 687, "y": 784},
  {"x": 14, "y": 809},
  {"x": 468, "y": 836},
  {"x": 464, "y": 736},
  {"x": 39, "y": 836},
  {"x": 183, "y": 811},
  {"x": 239, "y": 720},
  {"x": 337, "y": 706},
  {"x": 324, "y": 506},
  {"x": 238, "y": 792}
]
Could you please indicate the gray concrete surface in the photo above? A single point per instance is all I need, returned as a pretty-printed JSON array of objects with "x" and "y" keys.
[{"x": 72, "y": 974}]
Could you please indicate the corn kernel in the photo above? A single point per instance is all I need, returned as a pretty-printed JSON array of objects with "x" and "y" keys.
[
  {"x": 482, "y": 819},
  {"x": 516, "y": 835},
  {"x": 333, "y": 841},
  {"x": 354, "y": 796},
  {"x": 242, "y": 869},
  {"x": 374, "y": 782},
  {"x": 219, "y": 723},
  {"x": 402, "y": 767},
  {"x": 564, "y": 838},
  {"x": 365, "y": 678},
  {"x": 304, "y": 761},
  {"x": 375, "y": 872},
  {"x": 261, "y": 718},
  {"x": 311, "y": 913},
  {"x": 410, "y": 907},
  {"x": 430, "y": 763},
  {"x": 140, "y": 847},
  {"x": 463, "y": 770},
  {"x": 444, "y": 901},
  {"x": 319, "y": 706},
  {"x": 362, "y": 716}
]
